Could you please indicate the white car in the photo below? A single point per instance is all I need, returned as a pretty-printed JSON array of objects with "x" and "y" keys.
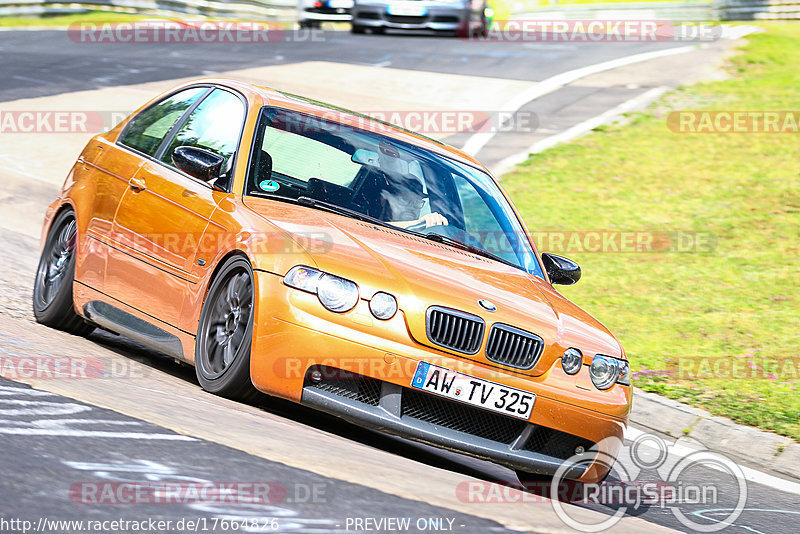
[{"x": 312, "y": 13}]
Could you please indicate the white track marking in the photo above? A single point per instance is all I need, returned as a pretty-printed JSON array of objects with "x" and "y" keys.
[
  {"x": 578, "y": 130},
  {"x": 681, "y": 450},
  {"x": 477, "y": 141}
]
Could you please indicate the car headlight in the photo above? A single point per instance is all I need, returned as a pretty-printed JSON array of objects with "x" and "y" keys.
[
  {"x": 624, "y": 377},
  {"x": 336, "y": 294},
  {"x": 603, "y": 371},
  {"x": 606, "y": 371},
  {"x": 303, "y": 278},
  {"x": 383, "y": 306},
  {"x": 571, "y": 361}
]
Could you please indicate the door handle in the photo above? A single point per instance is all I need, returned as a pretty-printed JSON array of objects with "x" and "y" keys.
[{"x": 137, "y": 184}]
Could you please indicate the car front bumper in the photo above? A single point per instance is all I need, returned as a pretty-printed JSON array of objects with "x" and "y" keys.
[
  {"x": 367, "y": 367},
  {"x": 438, "y": 18}
]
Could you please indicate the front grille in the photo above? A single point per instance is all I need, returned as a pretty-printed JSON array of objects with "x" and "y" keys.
[
  {"x": 346, "y": 384},
  {"x": 405, "y": 19},
  {"x": 454, "y": 330},
  {"x": 555, "y": 443},
  {"x": 444, "y": 18},
  {"x": 460, "y": 417},
  {"x": 513, "y": 347},
  {"x": 368, "y": 15}
]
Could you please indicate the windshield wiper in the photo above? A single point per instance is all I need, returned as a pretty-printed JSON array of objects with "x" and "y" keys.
[
  {"x": 439, "y": 238},
  {"x": 335, "y": 208}
]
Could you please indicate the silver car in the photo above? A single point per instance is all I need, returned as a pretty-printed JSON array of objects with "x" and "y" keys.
[{"x": 464, "y": 17}]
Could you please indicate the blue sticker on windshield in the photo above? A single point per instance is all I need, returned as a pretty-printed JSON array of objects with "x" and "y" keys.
[{"x": 269, "y": 185}]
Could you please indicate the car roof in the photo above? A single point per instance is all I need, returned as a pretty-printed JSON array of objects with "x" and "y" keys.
[{"x": 281, "y": 99}]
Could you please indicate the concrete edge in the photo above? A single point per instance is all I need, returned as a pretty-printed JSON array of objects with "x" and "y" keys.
[{"x": 744, "y": 444}]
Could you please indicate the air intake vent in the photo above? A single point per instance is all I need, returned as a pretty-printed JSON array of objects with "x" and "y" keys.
[
  {"x": 454, "y": 329},
  {"x": 513, "y": 347}
]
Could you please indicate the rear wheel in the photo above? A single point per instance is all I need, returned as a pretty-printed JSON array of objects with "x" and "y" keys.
[
  {"x": 224, "y": 335},
  {"x": 53, "y": 304}
]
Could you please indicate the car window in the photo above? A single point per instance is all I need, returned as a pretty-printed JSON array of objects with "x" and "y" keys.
[
  {"x": 147, "y": 129},
  {"x": 298, "y": 155},
  {"x": 480, "y": 222},
  {"x": 214, "y": 125},
  {"x": 301, "y": 158}
]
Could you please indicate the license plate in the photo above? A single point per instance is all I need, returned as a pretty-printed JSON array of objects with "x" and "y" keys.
[
  {"x": 407, "y": 9},
  {"x": 475, "y": 391},
  {"x": 337, "y": 4}
]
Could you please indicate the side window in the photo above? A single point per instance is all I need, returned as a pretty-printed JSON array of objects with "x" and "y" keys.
[
  {"x": 214, "y": 125},
  {"x": 147, "y": 129},
  {"x": 480, "y": 222}
]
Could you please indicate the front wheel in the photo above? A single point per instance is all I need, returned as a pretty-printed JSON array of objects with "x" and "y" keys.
[
  {"x": 225, "y": 332},
  {"x": 53, "y": 304}
]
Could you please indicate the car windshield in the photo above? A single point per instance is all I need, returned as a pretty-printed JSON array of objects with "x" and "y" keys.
[{"x": 324, "y": 163}]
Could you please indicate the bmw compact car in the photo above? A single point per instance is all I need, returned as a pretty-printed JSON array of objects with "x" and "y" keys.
[
  {"x": 464, "y": 17},
  {"x": 286, "y": 247}
]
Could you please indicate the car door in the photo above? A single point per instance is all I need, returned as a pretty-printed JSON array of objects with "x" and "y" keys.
[
  {"x": 111, "y": 166},
  {"x": 162, "y": 216}
]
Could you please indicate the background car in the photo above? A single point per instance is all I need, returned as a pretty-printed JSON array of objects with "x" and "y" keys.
[
  {"x": 464, "y": 17},
  {"x": 312, "y": 13}
]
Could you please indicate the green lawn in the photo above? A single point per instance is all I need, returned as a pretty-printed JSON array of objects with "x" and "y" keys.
[
  {"x": 96, "y": 17},
  {"x": 736, "y": 301}
]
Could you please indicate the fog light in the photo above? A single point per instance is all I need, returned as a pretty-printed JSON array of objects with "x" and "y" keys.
[
  {"x": 571, "y": 361},
  {"x": 579, "y": 450},
  {"x": 383, "y": 306},
  {"x": 315, "y": 376}
]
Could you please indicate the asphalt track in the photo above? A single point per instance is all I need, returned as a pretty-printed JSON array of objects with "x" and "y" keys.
[{"x": 141, "y": 418}]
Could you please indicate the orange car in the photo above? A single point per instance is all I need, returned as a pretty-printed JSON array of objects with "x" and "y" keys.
[{"x": 284, "y": 246}]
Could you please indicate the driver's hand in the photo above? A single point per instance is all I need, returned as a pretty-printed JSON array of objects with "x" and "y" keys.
[{"x": 433, "y": 219}]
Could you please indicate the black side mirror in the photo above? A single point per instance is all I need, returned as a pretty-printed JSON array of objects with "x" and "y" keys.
[
  {"x": 198, "y": 162},
  {"x": 560, "y": 269}
]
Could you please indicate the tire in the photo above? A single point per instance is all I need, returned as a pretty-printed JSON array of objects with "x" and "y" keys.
[
  {"x": 53, "y": 304},
  {"x": 355, "y": 28},
  {"x": 225, "y": 333}
]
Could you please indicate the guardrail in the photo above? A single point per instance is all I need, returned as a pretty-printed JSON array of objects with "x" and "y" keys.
[
  {"x": 284, "y": 10},
  {"x": 246, "y": 9},
  {"x": 758, "y": 9},
  {"x": 675, "y": 11}
]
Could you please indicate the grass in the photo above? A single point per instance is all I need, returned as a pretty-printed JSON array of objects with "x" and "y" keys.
[
  {"x": 97, "y": 17},
  {"x": 736, "y": 301}
]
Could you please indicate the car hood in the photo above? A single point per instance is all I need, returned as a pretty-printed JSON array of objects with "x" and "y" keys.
[{"x": 422, "y": 273}]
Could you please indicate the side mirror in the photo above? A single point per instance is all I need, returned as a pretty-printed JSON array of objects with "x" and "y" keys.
[
  {"x": 560, "y": 269},
  {"x": 198, "y": 162}
]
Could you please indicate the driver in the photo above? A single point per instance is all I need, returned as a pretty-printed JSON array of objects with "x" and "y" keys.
[{"x": 403, "y": 199}]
